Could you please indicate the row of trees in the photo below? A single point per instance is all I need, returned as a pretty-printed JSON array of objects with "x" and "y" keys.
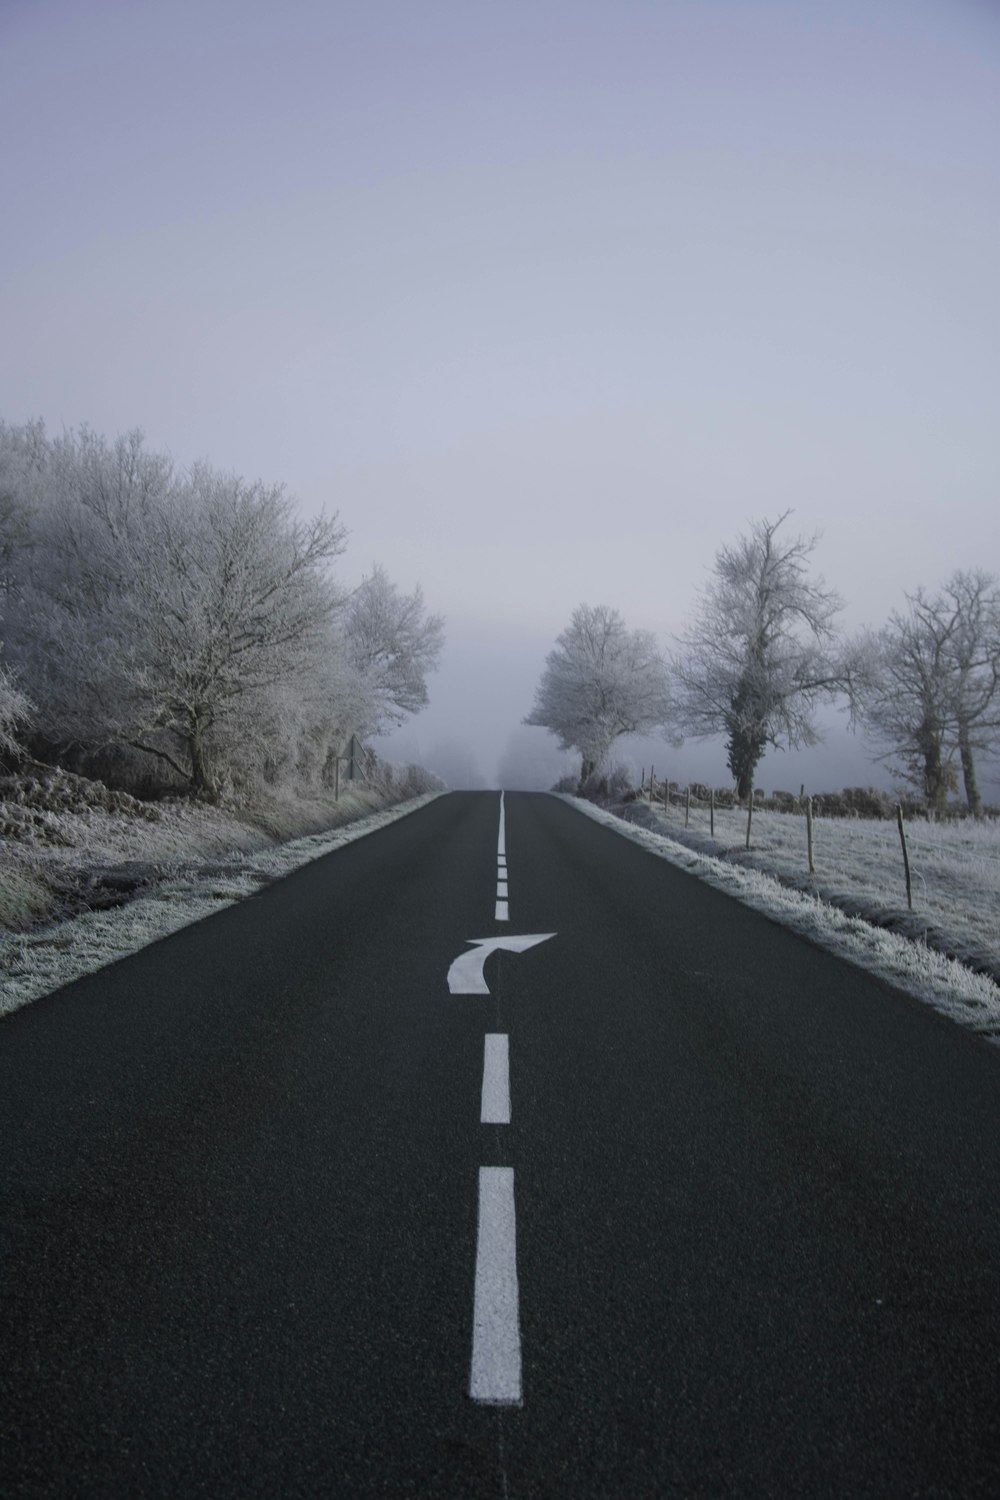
[
  {"x": 764, "y": 652},
  {"x": 188, "y": 621}
]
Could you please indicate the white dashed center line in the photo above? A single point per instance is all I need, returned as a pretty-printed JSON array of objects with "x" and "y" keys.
[
  {"x": 495, "y": 1377},
  {"x": 496, "y": 1333},
  {"x": 496, "y": 1080},
  {"x": 501, "y": 914}
]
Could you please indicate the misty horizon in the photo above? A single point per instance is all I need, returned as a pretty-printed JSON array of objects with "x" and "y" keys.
[{"x": 548, "y": 303}]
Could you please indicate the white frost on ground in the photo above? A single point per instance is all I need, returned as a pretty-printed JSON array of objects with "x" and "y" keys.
[
  {"x": 36, "y": 963},
  {"x": 952, "y": 988},
  {"x": 955, "y": 865}
]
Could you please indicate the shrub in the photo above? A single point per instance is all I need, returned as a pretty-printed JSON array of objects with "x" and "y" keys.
[
  {"x": 868, "y": 802},
  {"x": 855, "y": 802},
  {"x": 596, "y": 784},
  {"x": 619, "y": 781}
]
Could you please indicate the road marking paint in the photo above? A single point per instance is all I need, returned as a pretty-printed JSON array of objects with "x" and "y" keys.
[
  {"x": 495, "y": 1108},
  {"x": 496, "y": 1335},
  {"x": 465, "y": 976},
  {"x": 501, "y": 912}
]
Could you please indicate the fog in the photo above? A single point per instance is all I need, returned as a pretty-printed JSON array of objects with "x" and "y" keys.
[{"x": 549, "y": 300}]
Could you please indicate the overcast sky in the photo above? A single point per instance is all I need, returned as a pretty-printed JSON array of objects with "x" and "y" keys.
[{"x": 549, "y": 298}]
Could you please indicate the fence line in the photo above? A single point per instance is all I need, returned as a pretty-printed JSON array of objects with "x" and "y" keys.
[{"x": 668, "y": 793}]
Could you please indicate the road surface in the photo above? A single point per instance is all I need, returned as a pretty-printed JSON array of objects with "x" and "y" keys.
[{"x": 353, "y": 1190}]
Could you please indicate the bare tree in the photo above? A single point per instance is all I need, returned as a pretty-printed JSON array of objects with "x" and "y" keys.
[
  {"x": 192, "y": 618},
  {"x": 601, "y": 681},
  {"x": 159, "y": 613},
  {"x": 761, "y": 654},
  {"x": 975, "y": 599},
  {"x": 908, "y": 711},
  {"x": 236, "y": 600},
  {"x": 25, "y": 455},
  {"x": 936, "y": 694},
  {"x": 23, "y": 452},
  {"x": 391, "y": 643}
]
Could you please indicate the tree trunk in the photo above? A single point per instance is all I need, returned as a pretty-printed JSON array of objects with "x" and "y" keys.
[
  {"x": 747, "y": 726},
  {"x": 586, "y": 770},
  {"x": 745, "y": 750},
  {"x": 743, "y": 764},
  {"x": 935, "y": 777},
  {"x": 202, "y": 783},
  {"x": 973, "y": 796}
]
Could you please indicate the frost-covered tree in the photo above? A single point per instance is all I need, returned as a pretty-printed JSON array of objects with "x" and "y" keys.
[
  {"x": 22, "y": 460},
  {"x": 189, "y": 621},
  {"x": 761, "y": 654},
  {"x": 600, "y": 681},
  {"x": 936, "y": 696},
  {"x": 974, "y": 599},
  {"x": 240, "y": 602},
  {"x": 73, "y": 599},
  {"x": 391, "y": 643},
  {"x": 158, "y": 613}
]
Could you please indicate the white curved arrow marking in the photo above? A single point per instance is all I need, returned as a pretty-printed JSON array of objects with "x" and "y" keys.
[{"x": 465, "y": 977}]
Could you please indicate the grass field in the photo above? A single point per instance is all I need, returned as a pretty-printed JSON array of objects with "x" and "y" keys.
[{"x": 955, "y": 866}]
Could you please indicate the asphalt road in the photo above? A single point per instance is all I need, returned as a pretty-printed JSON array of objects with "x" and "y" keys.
[{"x": 756, "y": 1197}]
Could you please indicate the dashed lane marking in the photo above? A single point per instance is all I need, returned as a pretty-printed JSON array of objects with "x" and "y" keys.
[
  {"x": 495, "y": 1108},
  {"x": 496, "y": 1334}
]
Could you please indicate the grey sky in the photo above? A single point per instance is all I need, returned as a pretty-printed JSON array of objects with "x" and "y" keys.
[{"x": 548, "y": 298}]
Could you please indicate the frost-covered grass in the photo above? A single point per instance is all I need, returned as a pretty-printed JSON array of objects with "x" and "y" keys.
[
  {"x": 955, "y": 863},
  {"x": 955, "y": 866},
  {"x": 206, "y": 859}
]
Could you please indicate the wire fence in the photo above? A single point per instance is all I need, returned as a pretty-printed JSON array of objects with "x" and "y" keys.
[{"x": 848, "y": 826}]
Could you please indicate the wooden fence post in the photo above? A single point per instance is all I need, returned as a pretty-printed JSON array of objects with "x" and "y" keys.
[
  {"x": 336, "y": 779},
  {"x": 652, "y": 783},
  {"x": 711, "y": 811},
  {"x": 809, "y": 834},
  {"x": 687, "y": 804},
  {"x": 906, "y": 857}
]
